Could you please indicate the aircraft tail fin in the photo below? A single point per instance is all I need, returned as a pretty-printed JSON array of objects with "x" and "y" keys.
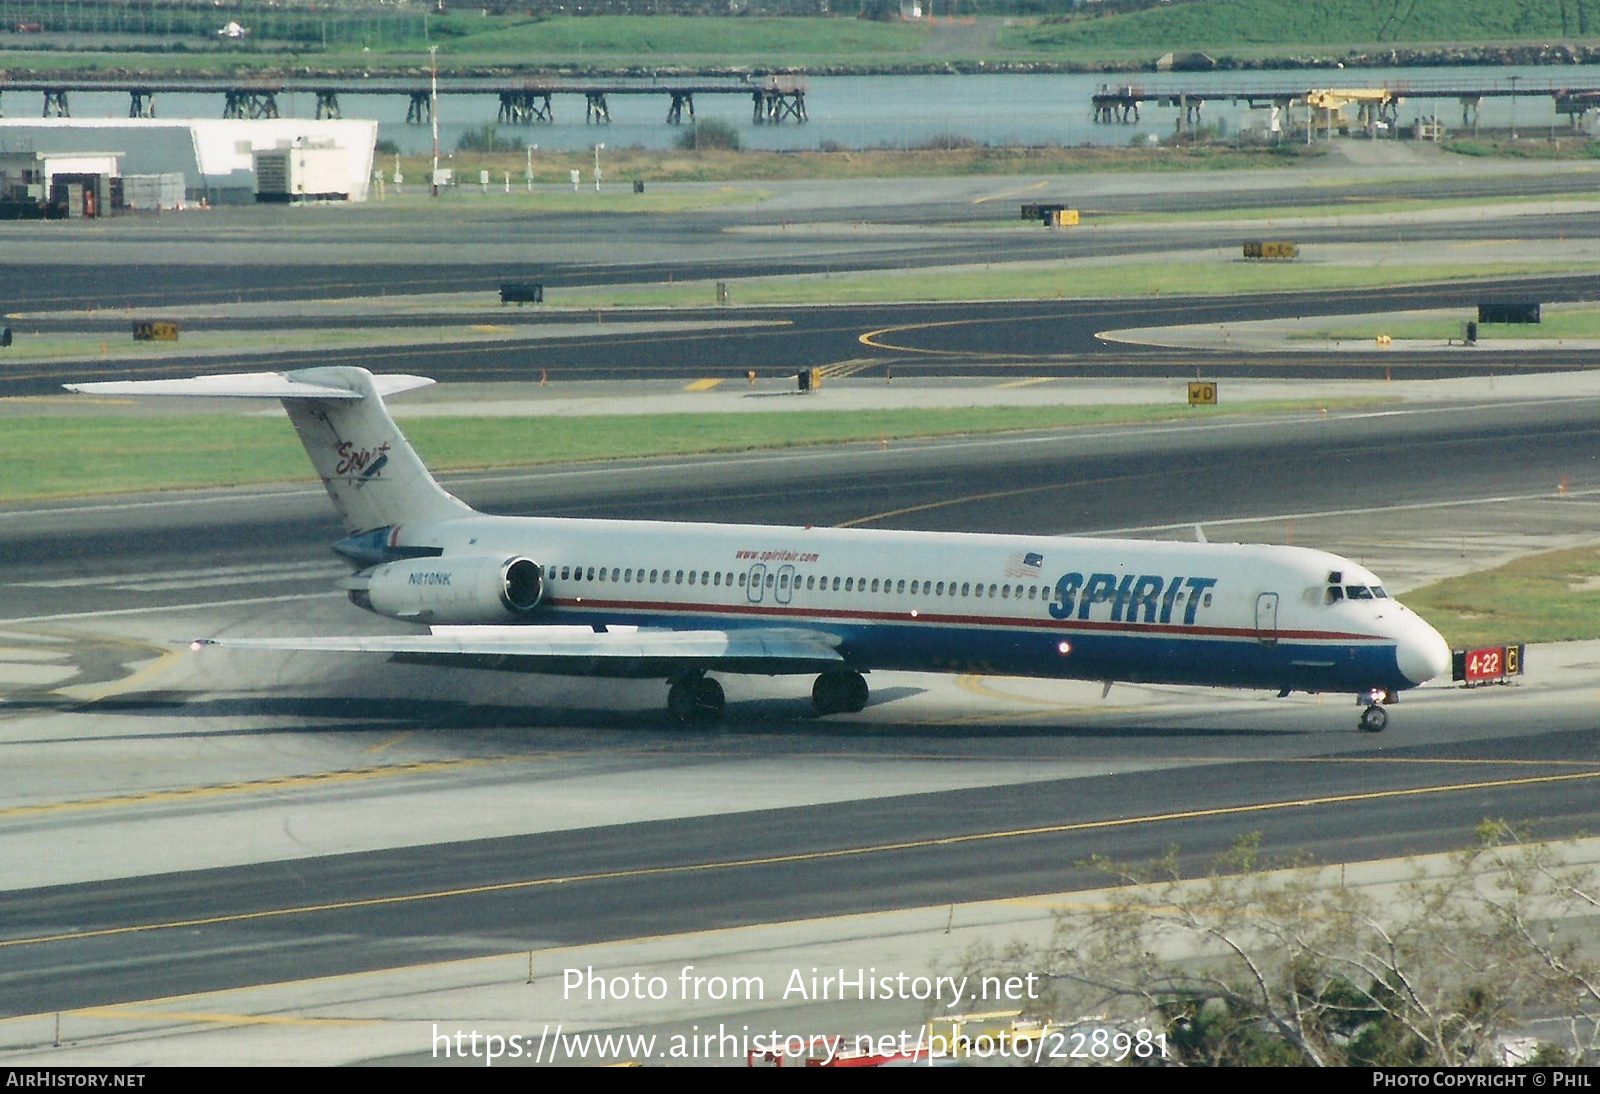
[{"x": 371, "y": 472}]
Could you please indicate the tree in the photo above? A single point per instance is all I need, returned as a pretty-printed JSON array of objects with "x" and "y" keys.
[{"x": 1291, "y": 967}]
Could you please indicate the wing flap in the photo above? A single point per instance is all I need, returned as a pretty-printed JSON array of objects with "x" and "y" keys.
[{"x": 583, "y": 651}]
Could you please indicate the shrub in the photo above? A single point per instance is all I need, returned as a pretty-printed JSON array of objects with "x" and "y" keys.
[
  {"x": 486, "y": 138},
  {"x": 713, "y": 133}
]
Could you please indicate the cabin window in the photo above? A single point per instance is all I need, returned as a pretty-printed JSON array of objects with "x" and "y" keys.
[
  {"x": 741, "y": 580},
  {"x": 602, "y": 573},
  {"x": 1207, "y": 601},
  {"x": 679, "y": 578},
  {"x": 653, "y": 574},
  {"x": 783, "y": 581},
  {"x": 716, "y": 578},
  {"x": 565, "y": 570},
  {"x": 900, "y": 587},
  {"x": 627, "y": 575},
  {"x": 874, "y": 584},
  {"x": 691, "y": 577},
  {"x": 811, "y": 582},
  {"x": 705, "y": 577},
  {"x": 849, "y": 584},
  {"x": 1033, "y": 592},
  {"x": 914, "y": 586},
  {"x": 938, "y": 590},
  {"x": 966, "y": 588},
  {"x": 772, "y": 579}
]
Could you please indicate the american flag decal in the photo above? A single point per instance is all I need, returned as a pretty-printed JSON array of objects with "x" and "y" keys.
[{"x": 1024, "y": 565}]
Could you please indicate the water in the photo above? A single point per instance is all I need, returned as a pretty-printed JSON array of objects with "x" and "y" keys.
[{"x": 902, "y": 111}]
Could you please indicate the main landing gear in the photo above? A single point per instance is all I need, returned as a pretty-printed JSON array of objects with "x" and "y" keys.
[
  {"x": 1374, "y": 718},
  {"x": 839, "y": 693},
  {"x": 695, "y": 698}
]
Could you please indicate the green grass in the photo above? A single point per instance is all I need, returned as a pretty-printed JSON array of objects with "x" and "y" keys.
[
  {"x": 1577, "y": 323},
  {"x": 1221, "y": 26},
  {"x": 67, "y": 456},
  {"x": 1528, "y": 600},
  {"x": 1044, "y": 283}
]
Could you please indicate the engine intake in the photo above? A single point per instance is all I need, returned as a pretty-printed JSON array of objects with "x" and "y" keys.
[{"x": 451, "y": 590}]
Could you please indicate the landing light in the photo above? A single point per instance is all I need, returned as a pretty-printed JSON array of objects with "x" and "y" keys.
[{"x": 1064, "y": 648}]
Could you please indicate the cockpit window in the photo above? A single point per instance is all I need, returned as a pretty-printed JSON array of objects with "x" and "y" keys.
[
  {"x": 1377, "y": 591},
  {"x": 1358, "y": 592},
  {"x": 1335, "y": 594}
]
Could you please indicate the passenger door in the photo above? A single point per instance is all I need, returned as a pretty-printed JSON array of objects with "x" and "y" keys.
[
  {"x": 785, "y": 587},
  {"x": 757, "y": 588},
  {"x": 1267, "y": 619}
]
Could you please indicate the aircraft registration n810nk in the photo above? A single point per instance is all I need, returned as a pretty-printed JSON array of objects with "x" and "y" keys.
[{"x": 677, "y": 601}]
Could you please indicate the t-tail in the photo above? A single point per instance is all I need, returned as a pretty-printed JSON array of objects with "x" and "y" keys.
[{"x": 371, "y": 472}]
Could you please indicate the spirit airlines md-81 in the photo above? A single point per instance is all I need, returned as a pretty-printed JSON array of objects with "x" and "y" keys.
[{"x": 676, "y": 601}]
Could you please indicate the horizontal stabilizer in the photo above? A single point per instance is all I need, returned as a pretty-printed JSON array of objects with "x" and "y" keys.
[
  {"x": 617, "y": 651},
  {"x": 248, "y": 385}
]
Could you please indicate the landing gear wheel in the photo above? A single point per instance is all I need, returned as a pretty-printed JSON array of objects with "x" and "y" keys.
[
  {"x": 839, "y": 693},
  {"x": 1373, "y": 719},
  {"x": 696, "y": 700}
]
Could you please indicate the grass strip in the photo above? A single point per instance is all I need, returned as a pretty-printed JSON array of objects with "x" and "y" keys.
[
  {"x": 1550, "y": 597},
  {"x": 1046, "y": 283},
  {"x": 56, "y": 457},
  {"x": 1553, "y": 325}
]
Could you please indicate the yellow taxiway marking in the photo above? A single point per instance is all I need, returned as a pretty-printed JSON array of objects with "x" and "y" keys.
[
  {"x": 701, "y": 385},
  {"x": 1011, "y": 193},
  {"x": 250, "y": 786},
  {"x": 93, "y": 693},
  {"x": 871, "y": 338},
  {"x": 1030, "y": 382},
  {"x": 976, "y": 686},
  {"x": 801, "y": 856},
  {"x": 388, "y": 743}
]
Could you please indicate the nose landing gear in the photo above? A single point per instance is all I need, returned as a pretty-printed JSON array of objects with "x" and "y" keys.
[{"x": 1374, "y": 718}]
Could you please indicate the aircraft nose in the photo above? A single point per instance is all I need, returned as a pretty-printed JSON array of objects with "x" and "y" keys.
[{"x": 1422, "y": 653}]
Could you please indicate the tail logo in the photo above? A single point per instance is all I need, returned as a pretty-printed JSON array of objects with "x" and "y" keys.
[{"x": 363, "y": 463}]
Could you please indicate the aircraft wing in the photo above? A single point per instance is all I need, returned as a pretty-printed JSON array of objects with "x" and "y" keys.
[{"x": 583, "y": 651}]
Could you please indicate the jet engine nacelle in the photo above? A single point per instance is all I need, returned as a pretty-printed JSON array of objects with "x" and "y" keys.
[{"x": 452, "y": 590}]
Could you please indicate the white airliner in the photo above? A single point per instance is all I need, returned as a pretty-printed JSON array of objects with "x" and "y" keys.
[{"x": 676, "y": 601}]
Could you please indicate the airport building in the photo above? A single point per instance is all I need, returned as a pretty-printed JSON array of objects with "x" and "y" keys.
[{"x": 215, "y": 156}]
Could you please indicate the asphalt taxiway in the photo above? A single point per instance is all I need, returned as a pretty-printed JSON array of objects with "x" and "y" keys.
[{"x": 178, "y": 823}]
